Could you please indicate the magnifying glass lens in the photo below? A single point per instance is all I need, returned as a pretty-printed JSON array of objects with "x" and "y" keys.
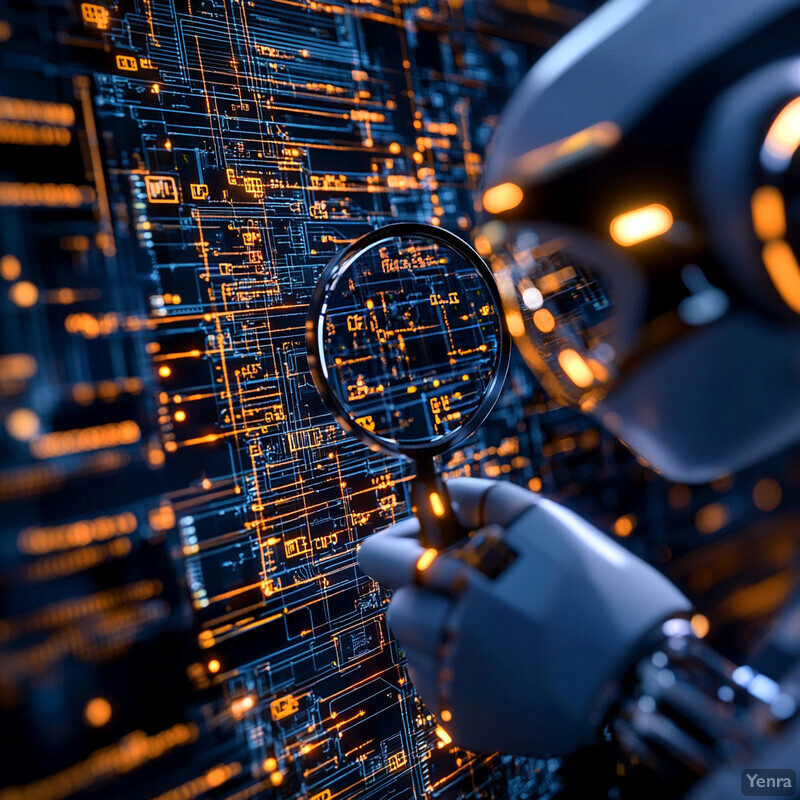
[{"x": 409, "y": 340}]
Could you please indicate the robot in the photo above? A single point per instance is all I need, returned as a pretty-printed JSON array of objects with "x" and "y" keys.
[{"x": 642, "y": 199}]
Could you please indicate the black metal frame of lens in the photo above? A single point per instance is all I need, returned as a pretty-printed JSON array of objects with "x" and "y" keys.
[{"x": 316, "y": 319}]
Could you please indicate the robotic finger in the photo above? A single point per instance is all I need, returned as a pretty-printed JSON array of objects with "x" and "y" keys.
[
  {"x": 395, "y": 557},
  {"x": 417, "y": 618},
  {"x": 391, "y": 556},
  {"x": 479, "y": 501}
]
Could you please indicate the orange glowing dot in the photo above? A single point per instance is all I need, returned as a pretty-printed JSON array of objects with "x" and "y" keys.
[
  {"x": 394, "y": 148},
  {"x": 214, "y": 666},
  {"x": 243, "y": 704},
  {"x": 640, "y": 224},
  {"x": 10, "y": 267},
  {"x": 156, "y": 88},
  {"x": 270, "y": 765},
  {"x": 205, "y": 639},
  {"x": 22, "y": 424},
  {"x": 710, "y": 518},
  {"x": 180, "y": 415},
  {"x": 426, "y": 559},
  {"x": 624, "y": 525},
  {"x": 576, "y": 368},
  {"x": 446, "y": 715},
  {"x": 700, "y": 625},
  {"x": 168, "y": 144},
  {"x": 483, "y": 245},
  {"x": 155, "y": 457},
  {"x": 544, "y": 320},
  {"x": 170, "y": 447},
  {"x": 97, "y": 712},
  {"x": 164, "y": 371},
  {"x": 276, "y": 778},
  {"x": 23, "y": 294},
  {"x": 370, "y": 304},
  {"x": 206, "y": 483},
  {"x": 502, "y": 198},
  {"x": 767, "y": 494},
  {"x": 368, "y": 142},
  {"x": 418, "y": 157}
]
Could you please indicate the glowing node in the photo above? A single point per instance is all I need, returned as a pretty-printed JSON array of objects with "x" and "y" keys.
[
  {"x": 624, "y": 525},
  {"x": 23, "y": 294},
  {"x": 10, "y": 267},
  {"x": 22, "y": 424},
  {"x": 97, "y": 712}
]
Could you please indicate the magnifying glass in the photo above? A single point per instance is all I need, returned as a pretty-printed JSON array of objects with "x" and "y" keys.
[{"x": 408, "y": 348}]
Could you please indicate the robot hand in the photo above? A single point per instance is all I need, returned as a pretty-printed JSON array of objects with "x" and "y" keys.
[{"x": 527, "y": 661}]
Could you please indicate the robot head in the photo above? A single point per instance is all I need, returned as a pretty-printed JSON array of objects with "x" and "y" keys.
[{"x": 642, "y": 199}]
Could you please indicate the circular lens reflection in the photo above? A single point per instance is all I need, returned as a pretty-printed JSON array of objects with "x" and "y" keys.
[{"x": 409, "y": 339}]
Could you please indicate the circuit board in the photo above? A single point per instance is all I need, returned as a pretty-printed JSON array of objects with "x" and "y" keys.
[{"x": 183, "y": 616}]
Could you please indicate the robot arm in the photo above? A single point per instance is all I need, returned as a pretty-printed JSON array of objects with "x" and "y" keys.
[
  {"x": 539, "y": 629},
  {"x": 525, "y": 659}
]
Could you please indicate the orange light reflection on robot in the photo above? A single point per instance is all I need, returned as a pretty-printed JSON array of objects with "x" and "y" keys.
[
  {"x": 640, "y": 224},
  {"x": 769, "y": 213},
  {"x": 783, "y": 137},
  {"x": 502, "y": 197},
  {"x": 784, "y": 271},
  {"x": 426, "y": 559},
  {"x": 576, "y": 368},
  {"x": 437, "y": 506}
]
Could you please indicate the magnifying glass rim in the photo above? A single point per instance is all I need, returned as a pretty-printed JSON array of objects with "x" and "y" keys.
[{"x": 315, "y": 328}]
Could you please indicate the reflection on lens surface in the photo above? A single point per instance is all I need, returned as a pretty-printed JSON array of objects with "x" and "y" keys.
[{"x": 410, "y": 339}]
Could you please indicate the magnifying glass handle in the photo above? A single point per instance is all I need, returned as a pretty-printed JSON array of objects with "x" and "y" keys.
[{"x": 439, "y": 527}]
